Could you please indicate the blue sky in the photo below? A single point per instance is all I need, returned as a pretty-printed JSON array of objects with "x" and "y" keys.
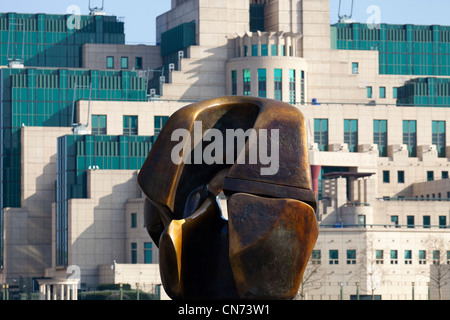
[{"x": 140, "y": 15}]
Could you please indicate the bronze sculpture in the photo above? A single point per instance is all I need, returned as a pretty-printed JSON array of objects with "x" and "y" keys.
[{"x": 262, "y": 250}]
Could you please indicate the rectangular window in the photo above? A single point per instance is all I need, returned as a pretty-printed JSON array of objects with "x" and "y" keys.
[
  {"x": 245, "y": 51},
  {"x": 401, "y": 176},
  {"x": 264, "y": 50},
  {"x": 278, "y": 94},
  {"x": 380, "y": 136},
  {"x": 148, "y": 253},
  {"x": 302, "y": 87},
  {"x": 334, "y": 256},
  {"x": 438, "y": 137},
  {"x": 382, "y": 92},
  {"x": 254, "y": 50},
  {"x": 422, "y": 257},
  {"x": 274, "y": 50},
  {"x": 410, "y": 221},
  {"x": 426, "y": 221},
  {"x": 442, "y": 222},
  {"x": 386, "y": 177},
  {"x": 444, "y": 174},
  {"x": 395, "y": 92},
  {"x": 379, "y": 259},
  {"x": 234, "y": 82},
  {"x": 262, "y": 83},
  {"x": 133, "y": 222},
  {"x": 355, "y": 68},
  {"x": 408, "y": 257},
  {"x": 321, "y": 133},
  {"x": 160, "y": 121},
  {"x": 394, "y": 257},
  {"x": 394, "y": 220},
  {"x": 124, "y": 63},
  {"x": 316, "y": 257},
  {"x": 351, "y": 256},
  {"x": 448, "y": 257},
  {"x": 133, "y": 252},
  {"x": 369, "y": 92},
  {"x": 130, "y": 125},
  {"x": 138, "y": 63},
  {"x": 436, "y": 257},
  {"x": 430, "y": 175},
  {"x": 247, "y": 82},
  {"x": 292, "y": 86},
  {"x": 283, "y": 50},
  {"x": 351, "y": 134},
  {"x": 410, "y": 137},
  {"x": 110, "y": 62},
  {"x": 98, "y": 124},
  {"x": 361, "y": 220}
]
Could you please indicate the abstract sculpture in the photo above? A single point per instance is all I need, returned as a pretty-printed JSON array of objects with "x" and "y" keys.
[{"x": 223, "y": 145}]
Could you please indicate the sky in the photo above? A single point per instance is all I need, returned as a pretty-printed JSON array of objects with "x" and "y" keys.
[{"x": 140, "y": 15}]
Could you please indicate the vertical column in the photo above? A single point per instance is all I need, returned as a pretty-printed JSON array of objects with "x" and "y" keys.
[
  {"x": 54, "y": 291},
  {"x": 61, "y": 287},
  {"x": 47, "y": 291},
  {"x": 74, "y": 292},
  {"x": 42, "y": 288},
  {"x": 315, "y": 173}
]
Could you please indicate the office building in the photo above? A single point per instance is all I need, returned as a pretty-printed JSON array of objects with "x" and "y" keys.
[{"x": 376, "y": 102}]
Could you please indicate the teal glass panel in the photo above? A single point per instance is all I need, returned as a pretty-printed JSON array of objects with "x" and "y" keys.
[
  {"x": 234, "y": 82},
  {"x": 110, "y": 62},
  {"x": 274, "y": 50},
  {"x": 438, "y": 137},
  {"x": 262, "y": 76},
  {"x": 382, "y": 92},
  {"x": 264, "y": 50},
  {"x": 380, "y": 136},
  {"x": 124, "y": 63},
  {"x": 148, "y": 252},
  {"x": 351, "y": 134},
  {"x": 321, "y": 133},
  {"x": 278, "y": 85},
  {"x": 247, "y": 82},
  {"x": 160, "y": 121},
  {"x": 138, "y": 63},
  {"x": 410, "y": 136},
  {"x": 254, "y": 50},
  {"x": 292, "y": 85}
]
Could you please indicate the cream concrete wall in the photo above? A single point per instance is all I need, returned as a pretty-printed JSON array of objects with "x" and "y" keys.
[
  {"x": 97, "y": 225},
  {"x": 205, "y": 65},
  {"x": 115, "y": 110},
  {"x": 94, "y": 56},
  {"x": 368, "y": 161},
  {"x": 146, "y": 275},
  {"x": 391, "y": 280},
  {"x": 139, "y": 234},
  {"x": 28, "y": 242}
]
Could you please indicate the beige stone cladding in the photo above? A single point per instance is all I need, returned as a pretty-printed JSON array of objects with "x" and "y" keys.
[
  {"x": 95, "y": 56},
  {"x": 115, "y": 110},
  {"x": 96, "y": 225},
  {"x": 27, "y": 230}
]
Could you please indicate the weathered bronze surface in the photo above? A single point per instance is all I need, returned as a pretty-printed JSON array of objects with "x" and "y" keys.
[{"x": 261, "y": 251}]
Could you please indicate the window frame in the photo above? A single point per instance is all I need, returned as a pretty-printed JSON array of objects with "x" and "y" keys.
[
  {"x": 122, "y": 59},
  {"x": 108, "y": 60}
]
